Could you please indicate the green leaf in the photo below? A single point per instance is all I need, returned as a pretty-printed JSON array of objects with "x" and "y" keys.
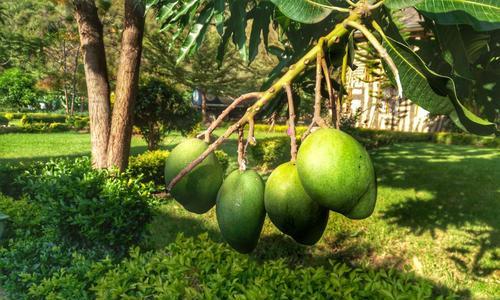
[
  {"x": 454, "y": 49},
  {"x": 261, "y": 20},
  {"x": 166, "y": 11},
  {"x": 433, "y": 92},
  {"x": 238, "y": 24},
  {"x": 399, "y": 4},
  {"x": 304, "y": 11},
  {"x": 219, "y": 6},
  {"x": 480, "y": 14},
  {"x": 195, "y": 36}
]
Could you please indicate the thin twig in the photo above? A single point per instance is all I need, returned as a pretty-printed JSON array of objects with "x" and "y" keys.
[
  {"x": 241, "y": 149},
  {"x": 317, "y": 98},
  {"x": 226, "y": 112},
  {"x": 251, "y": 136},
  {"x": 291, "y": 122},
  {"x": 381, "y": 51},
  {"x": 333, "y": 102}
]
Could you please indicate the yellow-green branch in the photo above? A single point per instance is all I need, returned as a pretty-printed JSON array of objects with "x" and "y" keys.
[{"x": 293, "y": 71}]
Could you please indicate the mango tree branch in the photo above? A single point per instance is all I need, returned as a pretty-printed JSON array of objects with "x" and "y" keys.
[
  {"x": 319, "y": 78},
  {"x": 381, "y": 51},
  {"x": 251, "y": 138},
  {"x": 241, "y": 149},
  {"x": 294, "y": 70},
  {"x": 331, "y": 98},
  {"x": 291, "y": 123},
  {"x": 226, "y": 112}
]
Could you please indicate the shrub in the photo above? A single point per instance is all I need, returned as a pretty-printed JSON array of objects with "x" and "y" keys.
[
  {"x": 24, "y": 217},
  {"x": 223, "y": 158},
  {"x": 8, "y": 173},
  {"x": 9, "y": 116},
  {"x": 272, "y": 152},
  {"x": 160, "y": 109},
  {"x": 13, "y": 115},
  {"x": 42, "y": 268},
  {"x": 78, "y": 122},
  {"x": 197, "y": 268},
  {"x": 89, "y": 208},
  {"x": 42, "y": 118},
  {"x": 150, "y": 166},
  {"x": 466, "y": 139},
  {"x": 4, "y": 121}
]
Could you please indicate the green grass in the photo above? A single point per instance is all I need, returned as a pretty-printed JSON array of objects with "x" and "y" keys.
[{"x": 437, "y": 213}]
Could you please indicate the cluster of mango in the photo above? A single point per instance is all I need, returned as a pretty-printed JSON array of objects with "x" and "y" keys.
[{"x": 333, "y": 172}]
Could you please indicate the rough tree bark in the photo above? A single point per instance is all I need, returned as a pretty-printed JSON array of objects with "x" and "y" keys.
[
  {"x": 96, "y": 75},
  {"x": 127, "y": 82},
  {"x": 110, "y": 136}
]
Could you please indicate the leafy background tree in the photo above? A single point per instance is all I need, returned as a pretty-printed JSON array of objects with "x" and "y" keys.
[
  {"x": 17, "y": 90},
  {"x": 161, "y": 109}
]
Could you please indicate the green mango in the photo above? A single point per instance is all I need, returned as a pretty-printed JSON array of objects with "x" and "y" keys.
[
  {"x": 334, "y": 169},
  {"x": 366, "y": 204},
  {"x": 240, "y": 209},
  {"x": 197, "y": 191},
  {"x": 291, "y": 209}
]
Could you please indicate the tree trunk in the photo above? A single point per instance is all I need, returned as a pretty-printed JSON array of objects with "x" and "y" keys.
[
  {"x": 126, "y": 85},
  {"x": 94, "y": 58}
]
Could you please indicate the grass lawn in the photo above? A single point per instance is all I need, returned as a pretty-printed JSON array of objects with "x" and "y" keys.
[{"x": 437, "y": 213}]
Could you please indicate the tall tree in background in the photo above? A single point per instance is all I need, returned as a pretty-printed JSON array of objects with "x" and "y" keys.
[{"x": 111, "y": 130}]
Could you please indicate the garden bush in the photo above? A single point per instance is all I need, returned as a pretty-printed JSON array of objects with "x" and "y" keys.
[
  {"x": 89, "y": 208},
  {"x": 24, "y": 217},
  {"x": 8, "y": 174},
  {"x": 223, "y": 158},
  {"x": 372, "y": 138},
  {"x": 4, "y": 121},
  {"x": 41, "y": 267},
  {"x": 43, "y": 118},
  {"x": 150, "y": 166},
  {"x": 198, "y": 268},
  {"x": 78, "y": 122},
  {"x": 271, "y": 152}
]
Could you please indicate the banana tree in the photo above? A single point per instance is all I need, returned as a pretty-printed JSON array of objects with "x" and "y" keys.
[{"x": 457, "y": 61}]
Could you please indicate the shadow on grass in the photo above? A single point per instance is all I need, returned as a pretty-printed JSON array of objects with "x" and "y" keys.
[{"x": 464, "y": 186}]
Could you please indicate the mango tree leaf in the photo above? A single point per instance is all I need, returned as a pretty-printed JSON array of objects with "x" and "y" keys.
[
  {"x": 399, "y": 4},
  {"x": 304, "y": 11},
  {"x": 434, "y": 92},
  {"x": 239, "y": 24},
  {"x": 482, "y": 15},
  {"x": 219, "y": 6},
  {"x": 261, "y": 15},
  {"x": 166, "y": 11},
  {"x": 197, "y": 32}
]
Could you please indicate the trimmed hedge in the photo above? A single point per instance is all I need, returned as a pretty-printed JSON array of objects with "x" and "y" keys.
[
  {"x": 375, "y": 138},
  {"x": 42, "y": 118},
  {"x": 4, "y": 121}
]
